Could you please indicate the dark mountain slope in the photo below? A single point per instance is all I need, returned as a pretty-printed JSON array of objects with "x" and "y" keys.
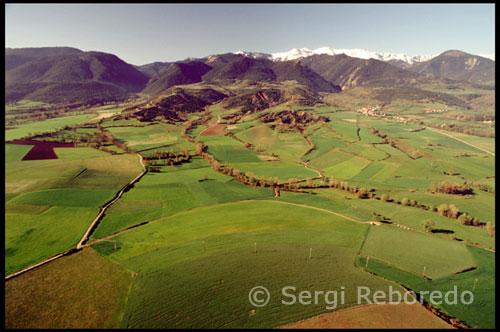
[
  {"x": 85, "y": 76},
  {"x": 15, "y": 57},
  {"x": 256, "y": 70},
  {"x": 153, "y": 69},
  {"x": 177, "y": 74},
  {"x": 347, "y": 71}
]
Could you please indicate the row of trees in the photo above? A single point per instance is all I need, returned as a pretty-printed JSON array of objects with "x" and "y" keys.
[{"x": 293, "y": 184}]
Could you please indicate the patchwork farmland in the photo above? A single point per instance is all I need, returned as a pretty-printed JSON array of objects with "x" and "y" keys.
[{"x": 166, "y": 208}]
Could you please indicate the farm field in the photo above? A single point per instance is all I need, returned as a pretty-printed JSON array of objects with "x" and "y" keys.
[
  {"x": 221, "y": 251},
  {"x": 185, "y": 244},
  {"x": 414, "y": 217},
  {"x": 374, "y": 316},
  {"x": 480, "y": 313},
  {"x": 48, "y": 125},
  {"x": 160, "y": 194},
  {"x": 50, "y": 203},
  {"x": 417, "y": 252},
  {"x": 90, "y": 282}
]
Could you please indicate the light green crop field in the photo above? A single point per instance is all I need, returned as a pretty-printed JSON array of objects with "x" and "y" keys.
[
  {"x": 48, "y": 125},
  {"x": 344, "y": 128},
  {"x": 414, "y": 251},
  {"x": 281, "y": 169},
  {"x": 211, "y": 264},
  {"x": 366, "y": 150},
  {"x": 138, "y": 138},
  {"x": 347, "y": 169}
]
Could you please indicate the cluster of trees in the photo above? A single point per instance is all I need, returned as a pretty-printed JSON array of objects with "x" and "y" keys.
[
  {"x": 170, "y": 158},
  {"x": 484, "y": 187},
  {"x": 450, "y": 187},
  {"x": 465, "y": 129}
]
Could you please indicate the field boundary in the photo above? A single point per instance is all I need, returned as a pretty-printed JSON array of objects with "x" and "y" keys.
[{"x": 458, "y": 139}]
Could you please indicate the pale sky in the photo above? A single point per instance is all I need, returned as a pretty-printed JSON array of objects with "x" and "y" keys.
[{"x": 145, "y": 33}]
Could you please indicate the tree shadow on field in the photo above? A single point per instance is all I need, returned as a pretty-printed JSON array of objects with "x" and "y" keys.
[{"x": 445, "y": 231}]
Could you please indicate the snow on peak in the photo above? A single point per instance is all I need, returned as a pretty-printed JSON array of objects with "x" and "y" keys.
[
  {"x": 356, "y": 53},
  {"x": 297, "y": 53}
]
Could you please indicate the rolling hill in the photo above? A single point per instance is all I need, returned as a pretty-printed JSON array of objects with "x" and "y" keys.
[
  {"x": 83, "y": 75},
  {"x": 177, "y": 74},
  {"x": 460, "y": 66},
  {"x": 255, "y": 70}
]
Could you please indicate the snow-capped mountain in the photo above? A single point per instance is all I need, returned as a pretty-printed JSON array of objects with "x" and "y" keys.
[{"x": 297, "y": 53}]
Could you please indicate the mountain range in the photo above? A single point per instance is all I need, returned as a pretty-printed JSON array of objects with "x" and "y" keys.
[
  {"x": 65, "y": 74},
  {"x": 297, "y": 53}
]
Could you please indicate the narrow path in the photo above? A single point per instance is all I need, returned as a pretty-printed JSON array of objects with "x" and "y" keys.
[
  {"x": 317, "y": 208},
  {"x": 105, "y": 207},
  {"x": 458, "y": 139}
]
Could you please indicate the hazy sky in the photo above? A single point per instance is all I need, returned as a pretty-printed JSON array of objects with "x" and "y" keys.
[{"x": 144, "y": 33}]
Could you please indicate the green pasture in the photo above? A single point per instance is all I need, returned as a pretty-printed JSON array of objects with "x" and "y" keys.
[
  {"x": 139, "y": 138},
  {"x": 281, "y": 169},
  {"x": 480, "y": 313},
  {"x": 413, "y": 217},
  {"x": 49, "y": 125},
  {"x": 226, "y": 149},
  {"x": 50, "y": 203},
  {"x": 366, "y": 150},
  {"x": 322, "y": 145},
  {"x": 344, "y": 128},
  {"x": 329, "y": 159},
  {"x": 481, "y": 204},
  {"x": 30, "y": 238},
  {"x": 347, "y": 169},
  {"x": 204, "y": 260},
  {"x": 160, "y": 194},
  {"x": 415, "y": 251}
]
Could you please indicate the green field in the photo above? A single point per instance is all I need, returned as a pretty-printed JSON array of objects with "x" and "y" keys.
[
  {"x": 211, "y": 263},
  {"x": 480, "y": 313},
  {"x": 48, "y": 125},
  {"x": 417, "y": 251},
  {"x": 184, "y": 245},
  {"x": 160, "y": 194},
  {"x": 50, "y": 203},
  {"x": 414, "y": 217}
]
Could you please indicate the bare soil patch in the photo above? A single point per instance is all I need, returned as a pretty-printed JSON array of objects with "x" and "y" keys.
[{"x": 215, "y": 130}]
